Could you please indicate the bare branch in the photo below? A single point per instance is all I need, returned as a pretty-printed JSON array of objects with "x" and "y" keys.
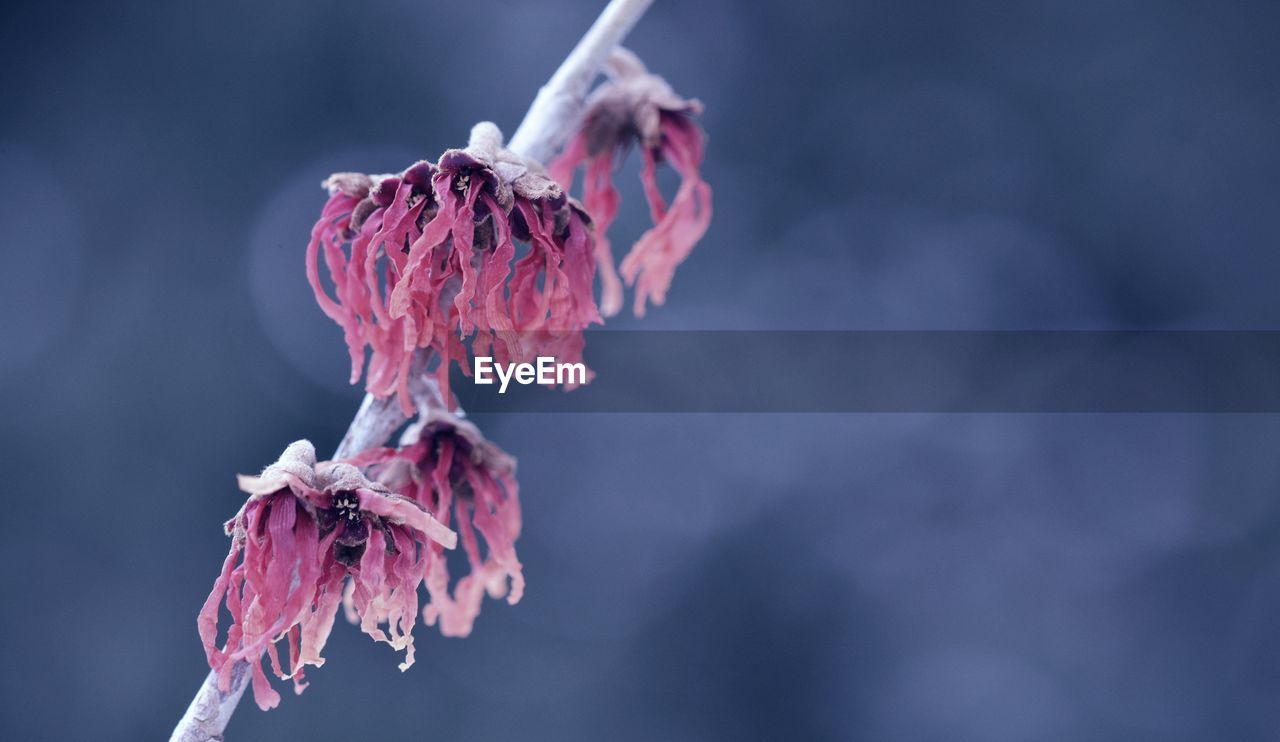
[
  {"x": 211, "y": 709},
  {"x": 554, "y": 115}
]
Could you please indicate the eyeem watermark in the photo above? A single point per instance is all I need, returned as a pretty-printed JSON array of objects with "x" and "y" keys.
[{"x": 544, "y": 371}]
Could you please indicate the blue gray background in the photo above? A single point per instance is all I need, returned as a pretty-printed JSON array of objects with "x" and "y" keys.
[{"x": 938, "y": 165}]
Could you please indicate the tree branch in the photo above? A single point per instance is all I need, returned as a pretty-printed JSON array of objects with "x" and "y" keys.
[
  {"x": 550, "y": 121},
  {"x": 554, "y": 115}
]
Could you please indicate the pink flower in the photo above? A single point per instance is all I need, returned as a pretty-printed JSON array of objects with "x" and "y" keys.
[
  {"x": 635, "y": 106},
  {"x": 449, "y": 468},
  {"x": 304, "y": 530},
  {"x": 432, "y": 263}
]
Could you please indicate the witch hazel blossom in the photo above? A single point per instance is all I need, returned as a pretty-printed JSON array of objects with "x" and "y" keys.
[
  {"x": 638, "y": 108},
  {"x": 468, "y": 483},
  {"x": 306, "y": 529},
  {"x": 427, "y": 259},
  {"x": 481, "y": 253}
]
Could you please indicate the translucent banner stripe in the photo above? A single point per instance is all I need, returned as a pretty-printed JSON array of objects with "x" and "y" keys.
[{"x": 866, "y": 371}]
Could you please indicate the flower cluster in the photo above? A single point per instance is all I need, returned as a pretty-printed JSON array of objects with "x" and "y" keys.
[
  {"x": 636, "y": 107},
  {"x": 446, "y": 465},
  {"x": 479, "y": 253},
  {"x": 430, "y": 261},
  {"x": 305, "y": 529}
]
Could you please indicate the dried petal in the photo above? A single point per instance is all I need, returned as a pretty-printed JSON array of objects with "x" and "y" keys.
[
  {"x": 638, "y": 108},
  {"x": 429, "y": 264},
  {"x": 450, "y": 469},
  {"x": 305, "y": 528}
]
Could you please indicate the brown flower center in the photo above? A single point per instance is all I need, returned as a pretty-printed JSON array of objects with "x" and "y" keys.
[
  {"x": 347, "y": 506},
  {"x": 352, "y": 526}
]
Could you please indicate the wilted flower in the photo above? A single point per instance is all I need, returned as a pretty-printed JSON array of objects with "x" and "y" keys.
[
  {"x": 431, "y": 257},
  {"x": 637, "y": 107},
  {"x": 305, "y": 528},
  {"x": 448, "y": 467}
]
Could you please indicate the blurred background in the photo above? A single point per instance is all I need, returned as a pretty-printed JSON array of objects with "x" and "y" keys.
[{"x": 941, "y": 165}]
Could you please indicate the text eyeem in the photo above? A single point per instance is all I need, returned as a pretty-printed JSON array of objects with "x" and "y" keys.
[{"x": 544, "y": 371}]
